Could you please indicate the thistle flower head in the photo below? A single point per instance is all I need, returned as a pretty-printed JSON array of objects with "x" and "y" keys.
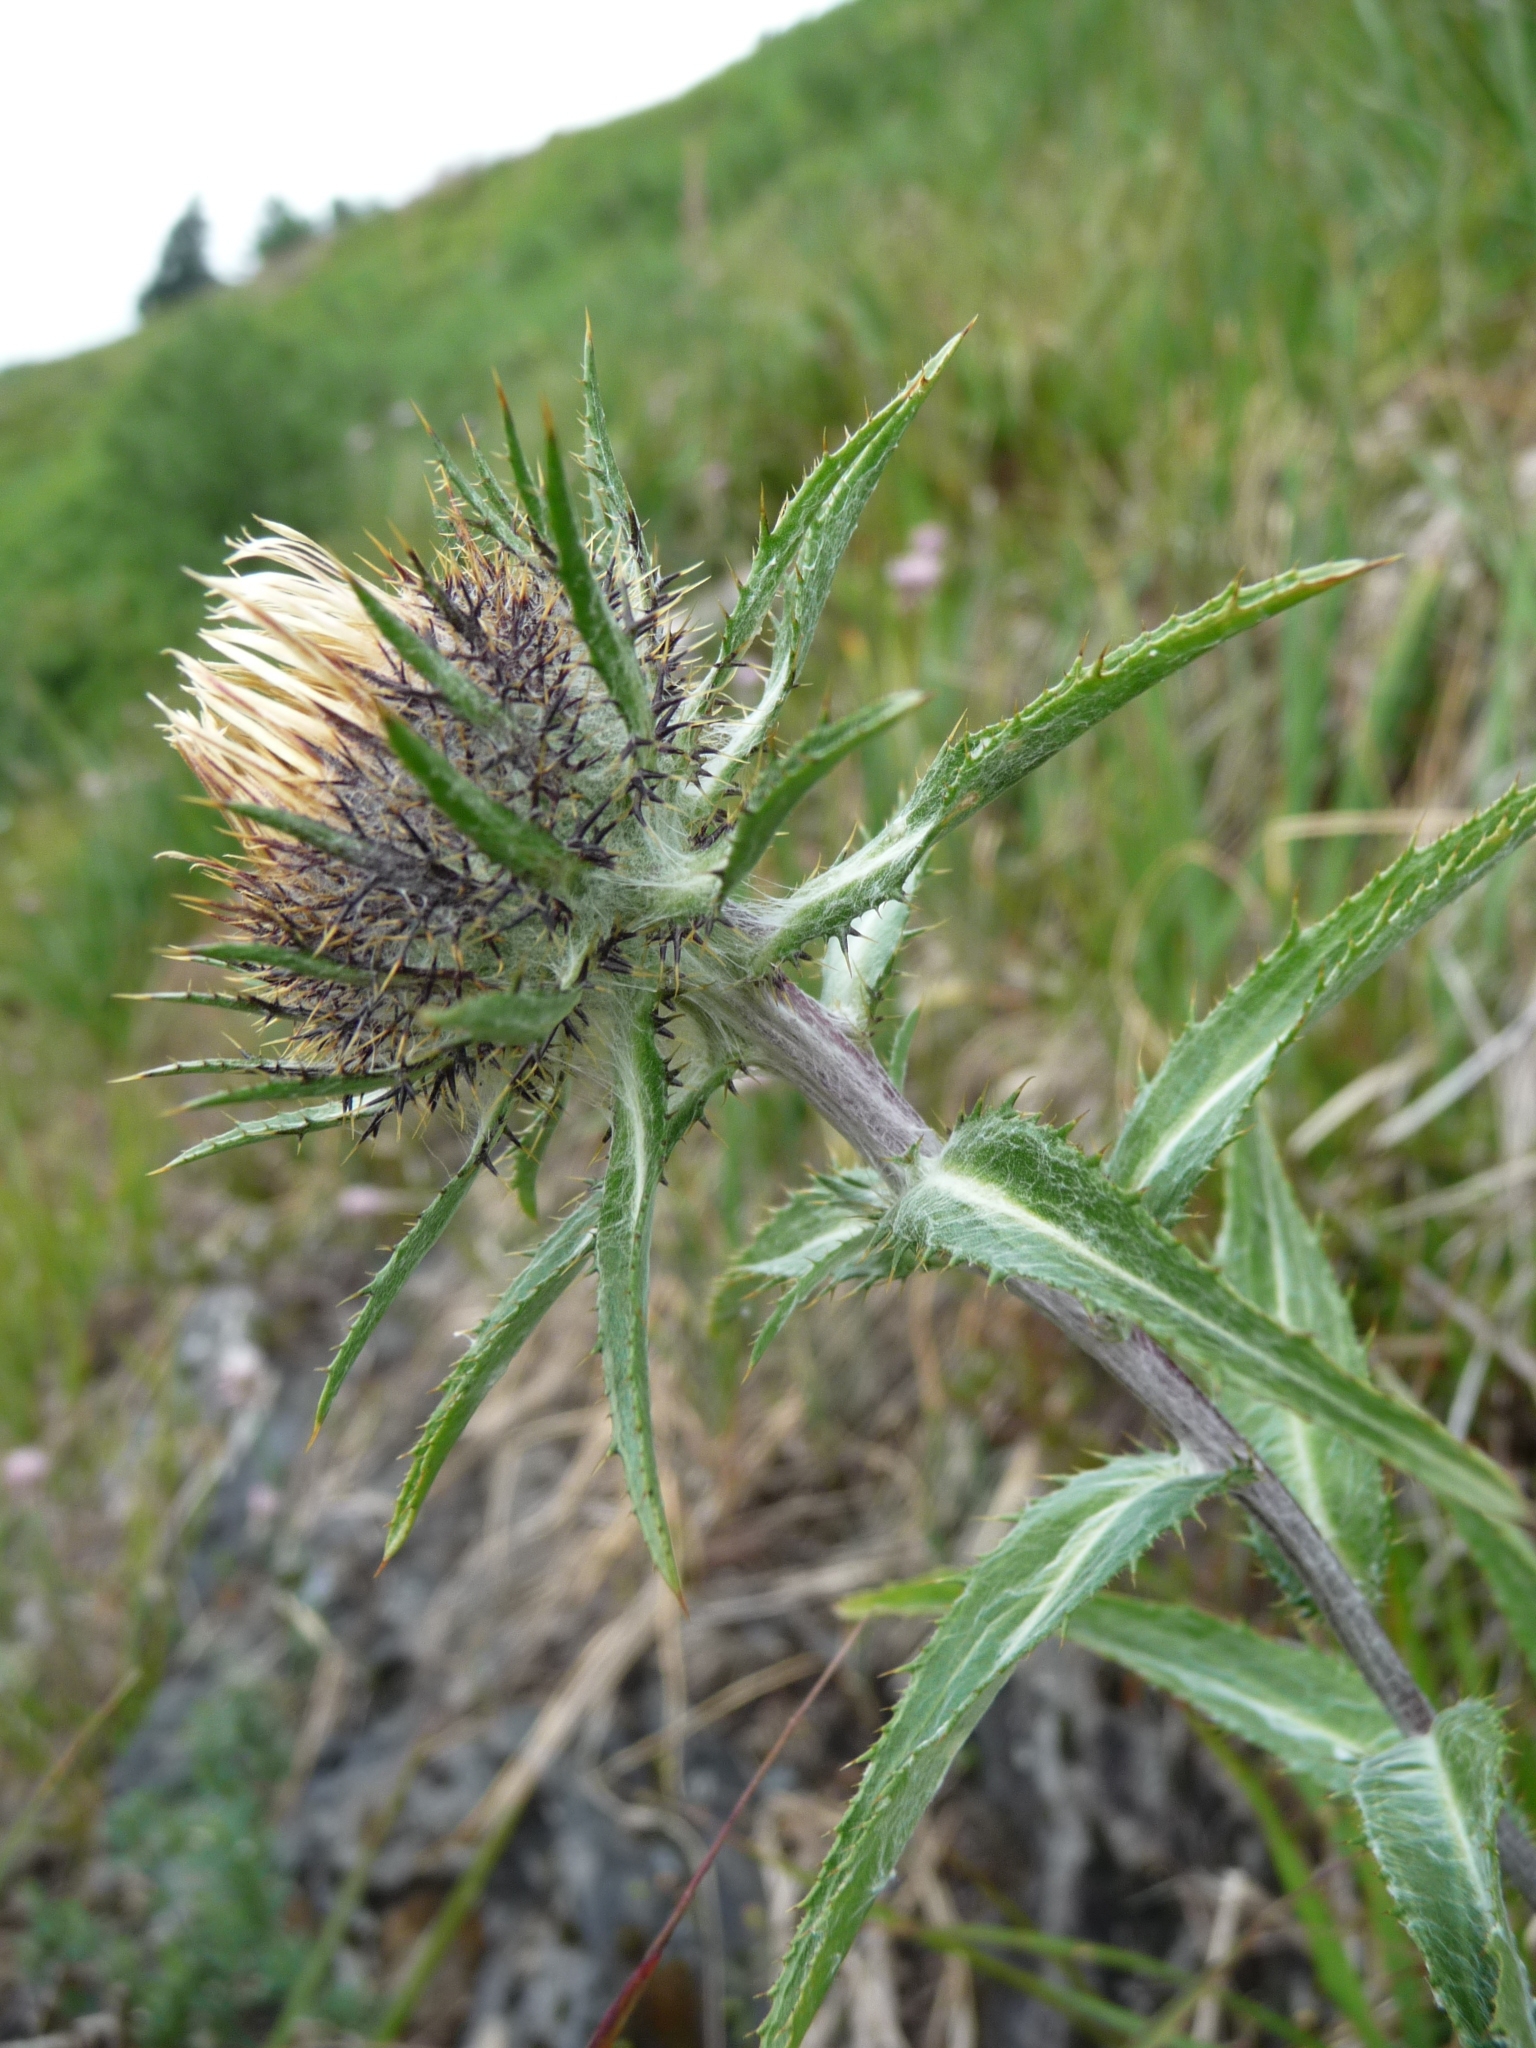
[
  {"x": 364, "y": 908},
  {"x": 480, "y": 804}
]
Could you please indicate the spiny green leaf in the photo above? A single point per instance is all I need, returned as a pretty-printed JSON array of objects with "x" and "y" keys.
[
  {"x": 1309, "y": 1708},
  {"x": 848, "y": 1264},
  {"x": 409, "y": 1253},
  {"x": 511, "y": 1017},
  {"x": 800, "y": 558},
  {"x": 1270, "y": 1254},
  {"x": 977, "y": 767},
  {"x": 554, "y": 1264},
  {"x": 815, "y": 525},
  {"x": 858, "y": 965},
  {"x": 691, "y": 1104},
  {"x": 212, "y": 999},
  {"x": 1062, "y": 1550},
  {"x": 611, "y": 649},
  {"x": 820, "y": 1237},
  {"x": 1506, "y": 1558},
  {"x": 514, "y": 843},
  {"x": 636, "y": 1155},
  {"x": 252, "y": 953},
  {"x": 236, "y": 1063},
  {"x": 297, "y": 1088},
  {"x": 613, "y": 513},
  {"x": 1430, "y": 1804},
  {"x": 1185, "y": 1115},
  {"x": 1014, "y": 1197},
  {"x": 783, "y": 784},
  {"x": 311, "y": 832},
  {"x": 523, "y": 479},
  {"x": 459, "y": 691},
  {"x": 293, "y": 1123}
]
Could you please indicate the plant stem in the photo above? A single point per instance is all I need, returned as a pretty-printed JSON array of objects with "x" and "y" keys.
[{"x": 790, "y": 1034}]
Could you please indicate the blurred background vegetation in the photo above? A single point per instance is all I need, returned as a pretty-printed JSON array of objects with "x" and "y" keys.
[{"x": 1253, "y": 285}]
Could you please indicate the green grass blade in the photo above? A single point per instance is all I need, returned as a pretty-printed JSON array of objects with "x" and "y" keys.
[
  {"x": 555, "y": 1262},
  {"x": 455, "y": 688},
  {"x": 613, "y": 511},
  {"x": 932, "y": 1593},
  {"x": 976, "y": 1937},
  {"x": 408, "y": 1254},
  {"x": 1506, "y": 1557},
  {"x": 1014, "y": 1197},
  {"x": 1270, "y": 1254},
  {"x": 1336, "y": 1975},
  {"x": 1185, "y": 1115},
  {"x": 1430, "y": 1804},
  {"x": 974, "y": 769},
  {"x": 636, "y": 1155},
  {"x": 816, "y": 524},
  {"x": 513, "y": 1017},
  {"x": 783, "y": 784},
  {"x": 516, "y": 844},
  {"x": 1062, "y": 1550},
  {"x": 1098, "y": 2018},
  {"x": 253, "y": 953},
  {"x": 979, "y": 1940},
  {"x": 1307, "y": 1707},
  {"x": 293, "y": 1123},
  {"x": 611, "y": 649}
]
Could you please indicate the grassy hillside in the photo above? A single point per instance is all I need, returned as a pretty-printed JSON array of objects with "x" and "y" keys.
[
  {"x": 1152, "y": 220},
  {"x": 1251, "y": 284}
]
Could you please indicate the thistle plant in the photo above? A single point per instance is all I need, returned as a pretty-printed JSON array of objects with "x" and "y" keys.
[{"x": 499, "y": 819}]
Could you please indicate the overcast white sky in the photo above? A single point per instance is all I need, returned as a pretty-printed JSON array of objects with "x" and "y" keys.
[{"x": 116, "y": 116}]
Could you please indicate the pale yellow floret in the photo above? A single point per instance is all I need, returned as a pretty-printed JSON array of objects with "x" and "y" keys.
[{"x": 296, "y": 654}]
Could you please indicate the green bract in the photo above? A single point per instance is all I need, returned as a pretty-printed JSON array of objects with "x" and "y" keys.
[{"x": 498, "y": 824}]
